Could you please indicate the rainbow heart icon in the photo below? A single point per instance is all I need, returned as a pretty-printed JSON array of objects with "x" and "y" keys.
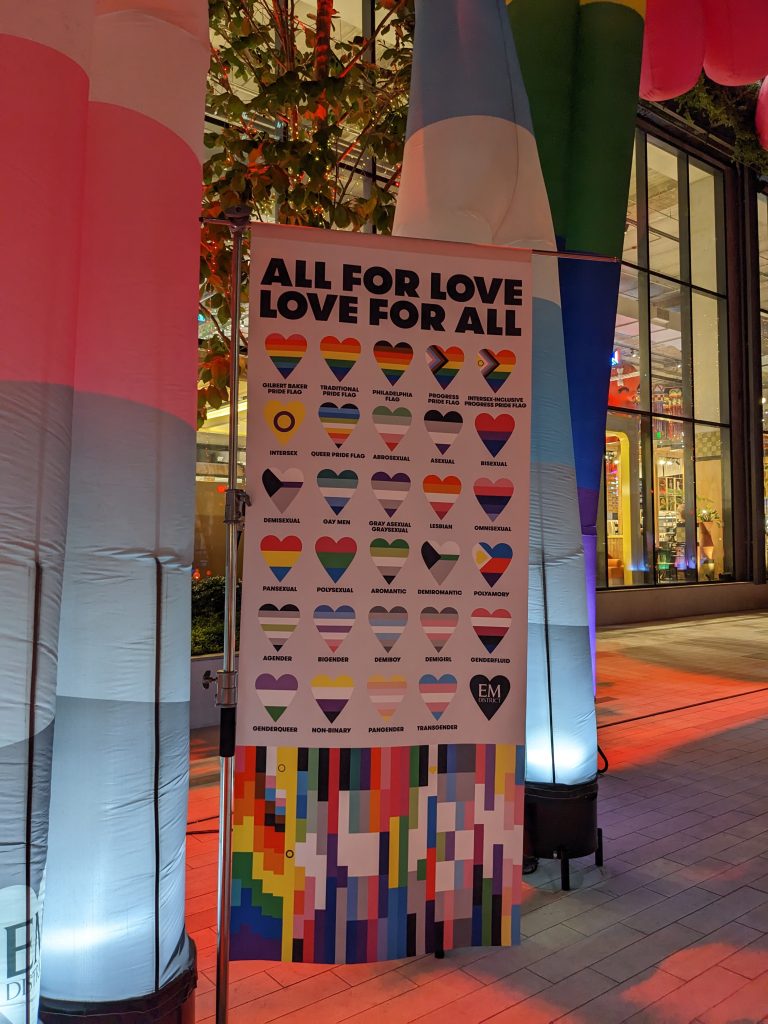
[
  {"x": 283, "y": 418},
  {"x": 494, "y": 431},
  {"x": 439, "y": 626},
  {"x": 393, "y": 360},
  {"x": 282, "y": 487},
  {"x": 491, "y": 627},
  {"x": 443, "y": 428},
  {"x": 437, "y": 692},
  {"x": 338, "y": 420},
  {"x": 492, "y": 560},
  {"x": 332, "y": 695},
  {"x": 390, "y": 491},
  {"x": 392, "y": 424},
  {"x": 280, "y": 554},
  {"x": 388, "y": 625},
  {"x": 440, "y": 559},
  {"x": 335, "y": 556},
  {"x": 276, "y": 693},
  {"x": 444, "y": 363},
  {"x": 496, "y": 367},
  {"x": 334, "y": 624},
  {"x": 278, "y": 624},
  {"x": 337, "y": 488},
  {"x": 442, "y": 494},
  {"x": 340, "y": 354},
  {"x": 493, "y": 495},
  {"x": 386, "y": 694},
  {"x": 285, "y": 353},
  {"x": 389, "y": 556}
]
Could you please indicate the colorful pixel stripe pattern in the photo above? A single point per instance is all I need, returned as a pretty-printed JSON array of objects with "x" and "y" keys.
[{"x": 359, "y": 855}]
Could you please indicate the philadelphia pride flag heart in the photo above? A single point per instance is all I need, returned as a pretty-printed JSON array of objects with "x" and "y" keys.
[
  {"x": 335, "y": 556},
  {"x": 437, "y": 693},
  {"x": 282, "y": 486},
  {"x": 491, "y": 627},
  {"x": 440, "y": 559},
  {"x": 338, "y": 420},
  {"x": 389, "y": 556},
  {"x": 494, "y": 431},
  {"x": 388, "y": 626},
  {"x": 337, "y": 488},
  {"x": 278, "y": 624},
  {"x": 280, "y": 554},
  {"x": 492, "y": 560},
  {"x": 393, "y": 360},
  {"x": 340, "y": 355},
  {"x": 390, "y": 491},
  {"x": 285, "y": 353},
  {"x": 276, "y": 693},
  {"x": 332, "y": 695},
  {"x": 386, "y": 694},
  {"x": 444, "y": 363},
  {"x": 334, "y": 624},
  {"x": 493, "y": 495},
  {"x": 441, "y": 494},
  {"x": 443, "y": 428},
  {"x": 438, "y": 626},
  {"x": 496, "y": 367},
  {"x": 392, "y": 424}
]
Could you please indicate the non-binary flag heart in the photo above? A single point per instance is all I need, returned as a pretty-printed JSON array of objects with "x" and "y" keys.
[
  {"x": 340, "y": 354},
  {"x": 332, "y": 695},
  {"x": 493, "y": 495},
  {"x": 386, "y": 694},
  {"x": 439, "y": 626},
  {"x": 285, "y": 353},
  {"x": 443, "y": 428},
  {"x": 489, "y": 694},
  {"x": 494, "y": 431},
  {"x": 441, "y": 494},
  {"x": 334, "y": 624},
  {"x": 282, "y": 486},
  {"x": 444, "y": 363},
  {"x": 393, "y": 360},
  {"x": 337, "y": 488},
  {"x": 390, "y": 491},
  {"x": 492, "y": 560},
  {"x": 388, "y": 625},
  {"x": 437, "y": 693},
  {"x": 276, "y": 693},
  {"x": 440, "y": 559},
  {"x": 280, "y": 554},
  {"x": 392, "y": 424},
  {"x": 491, "y": 627},
  {"x": 335, "y": 556},
  {"x": 339, "y": 421},
  {"x": 389, "y": 556},
  {"x": 278, "y": 624},
  {"x": 496, "y": 367},
  {"x": 283, "y": 418}
]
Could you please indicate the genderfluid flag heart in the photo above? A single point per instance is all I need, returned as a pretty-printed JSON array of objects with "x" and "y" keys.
[{"x": 491, "y": 627}]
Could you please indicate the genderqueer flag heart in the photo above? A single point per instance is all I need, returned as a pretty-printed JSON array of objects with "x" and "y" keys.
[
  {"x": 444, "y": 363},
  {"x": 392, "y": 424},
  {"x": 491, "y": 627},
  {"x": 494, "y": 431},
  {"x": 335, "y": 556},
  {"x": 492, "y": 560},
  {"x": 388, "y": 626},
  {"x": 496, "y": 367},
  {"x": 285, "y": 353},
  {"x": 389, "y": 556},
  {"x": 386, "y": 694},
  {"x": 332, "y": 695},
  {"x": 489, "y": 694},
  {"x": 337, "y": 488},
  {"x": 393, "y": 360},
  {"x": 493, "y": 495},
  {"x": 334, "y": 624},
  {"x": 443, "y": 428},
  {"x": 276, "y": 692},
  {"x": 437, "y": 693},
  {"x": 440, "y": 559},
  {"x": 391, "y": 491},
  {"x": 340, "y": 354},
  {"x": 280, "y": 554},
  {"x": 338, "y": 421},
  {"x": 282, "y": 486},
  {"x": 441, "y": 494},
  {"x": 278, "y": 623},
  {"x": 439, "y": 626}
]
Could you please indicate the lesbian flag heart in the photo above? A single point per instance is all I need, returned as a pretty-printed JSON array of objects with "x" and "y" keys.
[
  {"x": 437, "y": 693},
  {"x": 492, "y": 560},
  {"x": 389, "y": 556},
  {"x": 438, "y": 626},
  {"x": 335, "y": 556},
  {"x": 390, "y": 491},
  {"x": 278, "y": 624},
  {"x": 386, "y": 694},
  {"x": 392, "y": 424},
  {"x": 440, "y": 559},
  {"x": 337, "y": 488},
  {"x": 493, "y": 495},
  {"x": 388, "y": 626},
  {"x": 443, "y": 428},
  {"x": 444, "y": 363},
  {"x": 393, "y": 360},
  {"x": 285, "y": 353},
  {"x": 282, "y": 486},
  {"x": 332, "y": 695},
  {"x": 338, "y": 420},
  {"x": 280, "y": 554},
  {"x": 494, "y": 431},
  {"x": 491, "y": 627},
  {"x": 334, "y": 624},
  {"x": 340, "y": 355},
  {"x": 276, "y": 693},
  {"x": 441, "y": 494},
  {"x": 496, "y": 367}
]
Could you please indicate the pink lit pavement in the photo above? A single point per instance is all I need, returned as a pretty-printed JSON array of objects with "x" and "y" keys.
[{"x": 672, "y": 930}]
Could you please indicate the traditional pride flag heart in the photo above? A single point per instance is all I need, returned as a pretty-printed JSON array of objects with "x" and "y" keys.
[
  {"x": 285, "y": 353},
  {"x": 339, "y": 421},
  {"x": 444, "y": 363},
  {"x": 392, "y": 424},
  {"x": 391, "y": 491},
  {"x": 441, "y": 494},
  {"x": 282, "y": 486},
  {"x": 340, "y": 355},
  {"x": 337, "y": 488},
  {"x": 334, "y": 624},
  {"x": 491, "y": 627},
  {"x": 280, "y": 555},
  {"x": 494, "y": 431},
  {"x": 386, "y": 694},
  {"x": 438, "y": 626},
  {"x": 335, "y": 556},
  {"x": 492, "y": 560},
  {"x": 443, "y": 428},
  {"x": 283, "y": 418},
  {"x": 388, "y": 626},
  {"x": 389, "y": 556},
  {"x": 493, "y": 495},
  {"x": 489, "y": 694},
  {"x": 437, "y": 693},
  {"x": 440, "y": 559},
  {"x": 393, "y": 360},
  {"x": 332, "y": 695},
  {"x": 496, "y": 366},
  {"x": 276, "y": 693},
  {"x": 278, "y": 623}
]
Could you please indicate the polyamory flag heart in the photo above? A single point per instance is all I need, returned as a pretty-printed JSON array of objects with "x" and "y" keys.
[
  {"x": 492, "y": 560},
  {"x": 444, "y": 363}
]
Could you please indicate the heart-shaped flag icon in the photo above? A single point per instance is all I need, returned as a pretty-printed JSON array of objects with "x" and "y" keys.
[
  {"x": 439, "y": 626},
  {"x": 337, "y": 488},
  {"x": 335, "y": 556},
  {"x": 390, "y": 491},
  {"x": 441, "y": 494},
  {"x": 276, "y": 693},
  {"x": 283, "y": 418},
  {"x": 392, "y": 424},
  {"x": 496, "y": 367},
  {"x": 437, "y": 693},
  {"x": 334, "y": 624},
  {"x": 444, "y": 363},
  {"x": 492, "y": 560},
  {"x": 338, "y": 421},
  {"x": 280, "y": 554},
  {"x": 278, "y": 623},
  {"x": 493, "y": 495},
  {"x": 494, "y": 431},
  {"x": 285, "y": 353},
  {"x": 388, "y": 626},
  {"x": 340, "y": 354},
  {"x": 491, "y": 627},
  {"x": 386, "y": 694},
  {"x": 332, "y": 695},
  {"x": 393, "y": 360},
  {"x": 443, "y": 428},
  {"x": 389, "y": 556},
  {"x": 489, "y": 694},
  {"x": 282, "y": 486},
  {"x": 440, "y": 559}
]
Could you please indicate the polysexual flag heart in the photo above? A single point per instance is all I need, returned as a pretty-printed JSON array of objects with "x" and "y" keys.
[
  {"x": 334, "y": 624},
  {"x": 335, "y": 556},
  {"x": 440, "y": 559},
  {"x": 388, "y": 625},
  {"x": 280, "y": 554},
  {"x": 285, "y": 353},
  {"x": 494, "y": 431},
  {"x": 444, "y": 363},
  {"x": 386, "y": 694},
  {"x": 338, "y": 421},
  {"x": 443, "y": 428},
  {"x": 389, "y": 556},
  {"x": 283, "y": 418},
  {"x": 489, "y": 694},
  {"x": 340, "y": 354},
  {"x": 496, "y": 366},
  {"x": 337, "y": 488},
  {"x": 278, "y": 624},
  {"x": 492, "y": 560},
  {"x": 437, "y": 692},
  {"x": 282, "y": 486},
  {"x": 332, "y": 695},
  {"x": 493, "y": 495},
  {"x": 392, "y": 424},
  {"x": 491, "y": 627},
  {"x": 393, "y": 360},
  {"x": 441, "y": 494},
  {"x": 390, "y": 491},
  {"x": 276, "y": 692},
  {"x": 439, "y": 626}
]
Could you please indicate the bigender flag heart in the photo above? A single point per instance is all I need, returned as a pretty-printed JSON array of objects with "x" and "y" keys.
[{"x": 334, "y": 624}]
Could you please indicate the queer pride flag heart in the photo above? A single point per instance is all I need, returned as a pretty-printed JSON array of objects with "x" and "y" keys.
[
  {"x": 340, "y": 355},
  {"x": 390, "y": 491},
  {"x": 496, "y": 367},
  {"x": 337, "y": 488},
  {"x": 276, "y": 693},
  {"x": 493, "y": 495},
  {"x": 280, "y": 555},
  {"x": 278, "y": 623},
  {"x": 443, "y": 428},
  {"x": 335, "y": 556},
  {"x": 438, "y": 626},
  {"x": 388, "y": 626},
  {"x": 489, "y": 694},
  {"x": 338, "y": 421},
  {"x": 393, "y": 360},
  {"x": 282, "y": 487},
  {"x": 392, "y": 424},
  {"x": 437, "y": 693},
  {"x": 492, "y": 560},
  {"x": 386, "y": 694},
  {"x": 441, "y": 494},
  {"x": 332, "y": 695},
  {"x": 440, "y": 559},
  {"x": 285, "y": 353},
  {"x": 283, "y": 418},
  {"x": 334, "y": 625},
  {"x": 444, "y": 363},
  {"x": 494, "y": 431},
  {"x": 491, "y": 627},
  {"x": 389, "y": 556}
]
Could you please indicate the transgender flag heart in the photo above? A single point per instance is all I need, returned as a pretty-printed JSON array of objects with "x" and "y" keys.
[
  {"x": 492, "y": 560},
  {"x": 276, "y": 693},
  {"x": 437, "y": 693},
  {"x": 493, "y": 495},
  {"x": 335, "y": 556},
  {"x": 332, "y": 695},
  {"x": 438, "y": 626},
  {"x": 392, "y": 424},
  {"x": 340, "y": 355},
  {"x": 334, "y": 625},
  {"x": 386, "y": 694},
  {"x": 491, "y": 627},
  {"x": 388, "y": 626}
]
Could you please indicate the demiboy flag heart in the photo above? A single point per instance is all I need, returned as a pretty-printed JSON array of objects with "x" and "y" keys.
[
  {"x": 278, "y": 624},
  {"x": 494, "y": 431},
  {"x": 443, "y": 428},
  {"x": 393, "y": 360},
  {"x": 334, "y": 624},
  {"x": 280, "y": 554},
  {"x": 282, "y": 486},
  {"x": 285, "y": 353},
  {"x": 388, "y": 626},
  {"x": 276, "y": 693},
  {"x": 337, "y": 488},
  {"x": 492, "y": 560},
  {"x": 340, "y": 354},
  {"x": 335, "y": 556},
  {"x": 493, "y": 495}
]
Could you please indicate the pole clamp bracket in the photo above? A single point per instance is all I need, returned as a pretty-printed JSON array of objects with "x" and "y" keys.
[
  {"x": 226, "y": 689},
  {"x": 236, "y": 501}
]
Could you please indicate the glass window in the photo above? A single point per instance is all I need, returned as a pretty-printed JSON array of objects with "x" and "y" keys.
[
  {"x": 629, "y": 369},
  {"x": 762, "y": 241},
  {"x": 710, "y": 363},
  {"x": 630, "y": 231},
  {"x": 670, "y": 350},
  {"x": 627, "y": 554},
  {"x": 706, "y": 231},
  {"x": 713, "y": 504},
  {"x": 675, "y": 548},
  {"x": 663, "y": 210}
]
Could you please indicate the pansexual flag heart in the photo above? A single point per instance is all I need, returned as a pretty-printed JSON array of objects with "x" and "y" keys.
[
  {"x": 491, "y": 627},
  {"x": 444, "y": 363},
  {"x": 493, "y": 495},
  {"x": 441, "y": 494},
  {"x": 388, "y": 626},
  {"x": 392, "y": 424},
  {"x": 389, "y": 556},
  {"x": 278, "y": 623},
  {"x": 334, "y": 624},
  {"x": 337, "y": 488},
  {"x": 437, "y": 693},
  {"x": 386, "y": 694},
  {"x": 332, "y": 695},
  {"x": 283, "y": 418},
  {"x": 282, "y": 486},
  {"x": 443, "y": 428},
  {"x": 390, "y": 491},
  {"x": 276, "y": 693},
  {"x": 340, "y": 354},
  {"x": 280, "y": 554},
  {"x": 335, "y": 556},
  {"x": 496, "y": 366},
  {"x": 438, "y": 626},
  {"x": 492, "y": 560},
  {"x": 338, "y": 421},
  {"x": 440, "y": 559},
  {"x": 494, "y": 431},
  {"x": 285, "y": 353},
  {"x": 393, "y": 360}
]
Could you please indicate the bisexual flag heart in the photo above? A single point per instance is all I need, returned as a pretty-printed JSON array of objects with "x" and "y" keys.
[
  {"x": 332, "y": 695},
  {"x": 389, "y": 556},
  {"x": 337, "y": 488},
  {"x": 393, "y": 360},
  {"x": 338, "y": 421},
  {"x": 386, "y": 694},
  {"x": 489, "y": 694},
  {"x": 276, "y": 693},
  {"x": 280, "y": 554},
  {"x": 440, "y": 559},
  {"x": 392, "y": 424},
  {"x": 282, "y": 487},
  {"x": 390, "y": 491},
  {"x": 441, "y": 494},
  {"x": 494, "y": 431},
  {"x": 493, "y": 495},
  {"x": 278, "y": 623},
  {"x": 496, "y": 367},
  {"x": 443, "y": 428},
  {"x": 491, "y": 627},
  {"x": 285, "y": 353},
  {"x": 444, "y": 363},
  {"x": 283, "y": 418},
  {"x": 340, "y": 354},
  {"x": 334, "y": 624},
  {"x": 439, "y": 626},
  {"x": 437, "y": 693},
  {"x": 335, "y": 556},
  {"x": 388, "y": 626},
  {"x": 492, "y": 560}
]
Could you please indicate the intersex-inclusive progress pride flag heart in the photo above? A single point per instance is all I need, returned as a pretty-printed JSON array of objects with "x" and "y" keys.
[
  {"x": 337, "y": 488},
  {"x": 439, "y": 626},
  {"x": 491, "y": 627},
  {"x": 388, "y": 625},
  {"x": 278, "y": 624},
  {"x": 280, "y": 554},
  {"x": 437, "y": 693},
  {"x": 493, "y": 495},
  {"x": 494, "y": 431},
  {"x": 440, "y": 559},
  {"x": 393, "y": 360},
  {"x": 441, "y": 494},
  {"x": 340, "y": 354},
  {"x": 334, "y": 624},
  {"x": 389, "y": 556},
  {"x": 335, "y": 556},
  {"x": 390, "y": 491},
  {"x": 496, "y": 367},
  {"x": 282, "y": 486},
  {"x": 386, "y": 694},
  {"x": 276, "y": 693},
  {"x": 392, "y": 424},
  {"x": 444, "y": 363},
  {"x": 285, "y": 353},
  {"x": 332, "y": 695},
  {"x": 339, "y": 420},
  {"x": 443, "y": 428}
]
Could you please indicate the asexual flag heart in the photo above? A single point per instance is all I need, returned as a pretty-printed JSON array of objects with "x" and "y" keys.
[
  {"x": 338, "y": 421},
  {"x": 282, "y": 487},
  {"x": 392, "y": 424},
  {"x": 335, "y": 556},
  {"x": 285, "y": 353},
  {"x": 334, "y": 624},
  {"x": 390, "y": 491},
  {"x": 278, "y": 623},
  {"x": 492, "y": 560},
  {"x": 332, "y": 695},
  {"x": 494, "y": 431},
  {"x": 393, "y": 360},
  {"x": 437, "y": 693},
  {"x": 386, "y": 694},
  {"x": 388, "y": 626},
  {"x": 389, "y": 556},
  {"x": 496, "y": 367},
  {"x": 340, "y": 355},
  {"x": 439, "y": 626},
  {"x": 443, "y": 428},
  {"x": 441, "y": 494},
  {"x": 280, "y": 554},
  {"x": 337, "y": 488},
  {"x": 444, "y": 363},
  {"x": 440, "y": 559},
  {"x": 493, "y": 495},
  {"x": 489, "y": 694},
  {"x": 491, "y": 627},
  {"x": 276, "y": 693}
]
